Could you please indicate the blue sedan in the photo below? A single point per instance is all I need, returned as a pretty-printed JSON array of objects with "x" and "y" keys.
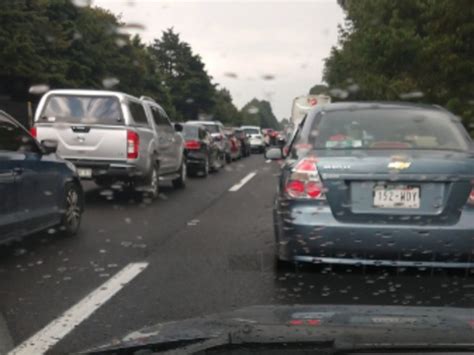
[
  {"x": 377, "y": 184},
  {"x": 38, "y": 189}
]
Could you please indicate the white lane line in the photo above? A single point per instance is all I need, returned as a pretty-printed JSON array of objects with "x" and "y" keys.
[
  {"x": 47, "y": 337},
  {"x": 242, "y": 182}
]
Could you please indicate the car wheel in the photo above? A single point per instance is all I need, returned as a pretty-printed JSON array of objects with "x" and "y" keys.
[
  {"x": 180, "y": 181},
  {"x": 153, "y": 186},
  {"x": 205, "y": 168},
  {"x": 73, "y": 207}
]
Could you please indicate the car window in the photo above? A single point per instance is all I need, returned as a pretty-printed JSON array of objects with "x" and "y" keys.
[
  {"x": 386, "y": 129},
  {"x": 251, "y": 130},
  {"x": 15, "y": 139},
  {"x": 138, "y": 113},
  {"x": 163, "y": 119},
  {"x": 82, "y": 109},
  {"x": 191, "y": 131},
  {"x": 213, "y": 128}
]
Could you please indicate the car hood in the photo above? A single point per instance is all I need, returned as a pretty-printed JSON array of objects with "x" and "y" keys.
[{"x": 343, "y": 327}]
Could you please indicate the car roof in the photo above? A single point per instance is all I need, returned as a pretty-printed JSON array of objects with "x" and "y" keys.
[
  {"x": 258, "y": 127},
  {"x": 364, "y": 105},
  {"x": 86, "y": 92},
  {"x": 204, "y": 122}
]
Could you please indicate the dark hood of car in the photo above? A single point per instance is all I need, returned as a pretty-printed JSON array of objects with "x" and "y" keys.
[{"x": 343, "y": 327}]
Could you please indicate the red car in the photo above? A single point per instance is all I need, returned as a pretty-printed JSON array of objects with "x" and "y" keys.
[{"x": 235, "y": 145}]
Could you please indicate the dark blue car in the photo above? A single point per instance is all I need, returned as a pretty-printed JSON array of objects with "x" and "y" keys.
[
  {"x": 377, "y": 184},
  {"x": 38, "y": 189}
]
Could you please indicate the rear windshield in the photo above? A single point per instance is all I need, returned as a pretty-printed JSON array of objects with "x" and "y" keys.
[
  {"x": 386, "y": 129},
  {"x": 190, "y": 131},
  {"x": 251, "y": 131},
  {"x": 82, "y": 109},
  {"x": 212, "y": 128}
]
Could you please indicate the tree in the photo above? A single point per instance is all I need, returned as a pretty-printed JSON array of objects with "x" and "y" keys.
[
  {"x": 319, "y": 89},
  {"x": 407, "y": 49},
  {"x": 184, "y": 74},
  {"x": 224, "y": 110},
  {"x": 259, "y": 113}
]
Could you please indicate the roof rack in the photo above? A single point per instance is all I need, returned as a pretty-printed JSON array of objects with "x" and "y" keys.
[{"x": 147, "y": 98}]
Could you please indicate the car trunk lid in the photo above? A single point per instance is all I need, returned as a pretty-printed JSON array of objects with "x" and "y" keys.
[
  {"x": 87, "y": 142},
  {"x": 396, "y": 187}
]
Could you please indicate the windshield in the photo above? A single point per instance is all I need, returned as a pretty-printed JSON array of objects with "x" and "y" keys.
[
  {"x": 190, "y": 132},
  {"x": 82, "y": 109},
  {"x": 212, "y": 128},
  {"x": 305, "y": 168},
  {"x": 251, "y": 131},
  {"x": 386, "y": 129}
]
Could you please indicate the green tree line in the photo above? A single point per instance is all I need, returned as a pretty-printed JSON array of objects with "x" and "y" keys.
[
  {"x": 418, "y": 50},
  {"x": 56, "y": 43}
]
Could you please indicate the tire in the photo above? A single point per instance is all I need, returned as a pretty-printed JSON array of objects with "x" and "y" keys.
[
  {"x": 205, "y": 168},
  {"x": 153, "y": 183},
  {"x": 228, "y": 158},
  {"x": 73, "y": 208},
  {"x": 180, "y": 181}
]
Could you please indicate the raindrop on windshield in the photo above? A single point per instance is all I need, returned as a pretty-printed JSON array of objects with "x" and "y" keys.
[
  {"x": 38, "y": 89},
  {"x": 411, "y": 95},
  {"x": 110, "y": 82},
  {"x": 231, "y": 75},
  {"x": 81, "y": 3}
]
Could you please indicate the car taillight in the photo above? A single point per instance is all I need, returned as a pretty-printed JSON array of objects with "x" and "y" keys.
[
  {"x": 34, "y": 132},
  {"x": 193, "y": 145},
  {"x": 470, "y": 200},
  {"x": 304, "y": 181},
  {"x": 133, "y": 142}
]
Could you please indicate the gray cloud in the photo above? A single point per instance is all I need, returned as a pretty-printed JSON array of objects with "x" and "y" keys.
[{"x": 288, "y": 40}]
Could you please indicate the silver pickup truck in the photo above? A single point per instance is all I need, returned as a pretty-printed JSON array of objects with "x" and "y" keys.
[{"x": 113, "y": 137}]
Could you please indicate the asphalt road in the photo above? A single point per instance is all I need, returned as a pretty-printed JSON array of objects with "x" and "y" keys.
[{"x": 207, "y": 250}]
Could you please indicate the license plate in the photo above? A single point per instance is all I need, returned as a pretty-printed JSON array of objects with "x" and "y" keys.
[
  {"x": 396, "y": 196},
  {"x": 84, "y": 173}
]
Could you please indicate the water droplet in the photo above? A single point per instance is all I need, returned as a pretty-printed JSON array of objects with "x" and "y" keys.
[
  {"x": 38, "y": 89},
  {"x": 109, "y": 83}
]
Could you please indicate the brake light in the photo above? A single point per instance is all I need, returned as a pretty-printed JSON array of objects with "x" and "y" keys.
[
  {"x": 34, "y": 132},
  {"x": 470, "y": 200},
  {"x": 193, "y": 145},
  {"x": 304, "y": 181},
  {"x": 133, "y": 142}
]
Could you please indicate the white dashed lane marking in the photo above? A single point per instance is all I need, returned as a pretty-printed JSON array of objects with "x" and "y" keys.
[
  {"x": 50, "y": 335},
  {"x": 242, "y": 182}
]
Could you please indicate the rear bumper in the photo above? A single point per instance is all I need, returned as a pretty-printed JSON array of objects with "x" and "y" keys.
[
  {"x": 195, "y": 158},
  {"x": 108, "y": 169},
  {"x": 312, "y": 234}
]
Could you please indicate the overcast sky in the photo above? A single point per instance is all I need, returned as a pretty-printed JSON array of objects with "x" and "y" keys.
[{"x": 286, "y": 39}]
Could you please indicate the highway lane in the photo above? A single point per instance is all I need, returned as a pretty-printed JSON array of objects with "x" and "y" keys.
[{"x": 208, "y": 250}]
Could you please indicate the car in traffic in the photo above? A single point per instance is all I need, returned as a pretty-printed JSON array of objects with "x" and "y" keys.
[
  {"x": 257, "y": 143},
  {"x": 113, "y": 137},
  {"x": 202, "y": 152},
  {"x": 235, "y": 145},
  {"x": 244, "y": 142},
  {"x": 38, "y": 189},
  {"x": 216, "y": 129},
  {"x": 377, "y": 184}
]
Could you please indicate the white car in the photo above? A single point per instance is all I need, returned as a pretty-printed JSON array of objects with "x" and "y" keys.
[{"x": 257, "y": 143}]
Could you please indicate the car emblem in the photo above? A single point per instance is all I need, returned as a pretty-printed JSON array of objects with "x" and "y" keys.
[{"x": 399, "y": 165}]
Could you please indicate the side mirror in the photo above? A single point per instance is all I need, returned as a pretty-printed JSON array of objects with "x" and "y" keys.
[
  {"x": 274, "y": 154},
  {"x": 49, "y": 146},
  {"x": 178, "y": 127}
]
